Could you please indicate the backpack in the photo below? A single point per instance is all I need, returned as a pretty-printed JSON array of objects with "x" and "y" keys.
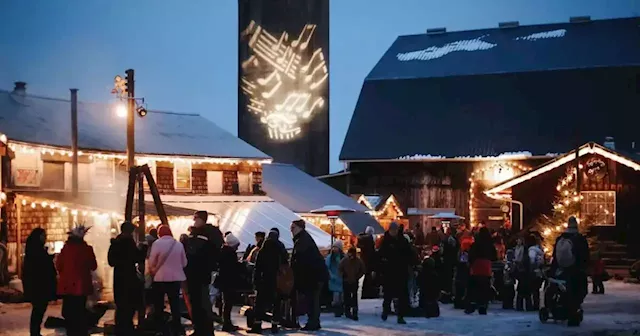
[
  {"x": 284, "y": 280},
  {"x": 464, "y": 257},
  {"x": 564, "y": 253}
]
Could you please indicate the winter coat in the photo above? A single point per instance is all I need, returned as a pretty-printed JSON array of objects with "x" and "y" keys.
[
  {"x": 175, "y": 260},
  {"x": 123, "y": 256},
  {"x": 231, "y": 270},
  {"x": 271, "y": 256},
  {"x": 335, "y": 278},
  {"x": 598, "y": 268},
  {"x": 450, "y": 251},
  {"x": 75, "y": 263},
  {"x": 433, "y": 238},
  {"x": 428, "y": 279},
  {"x": 481, "y": 255},
  {"x": 396, "y": 257},
  {"x": 309, "y": 268},
  {"x": 214, "y": 235},
  {"x": 202, "y": 257},
  {"x": 38, "y": 274},
  {"x": 351, "y": 269},
  {"x": 367, "y": 251}
]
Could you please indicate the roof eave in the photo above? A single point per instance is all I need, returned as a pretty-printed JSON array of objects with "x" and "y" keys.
[
  {"x": 588, "y": 148},
  {"x": 455, "y": 159}
]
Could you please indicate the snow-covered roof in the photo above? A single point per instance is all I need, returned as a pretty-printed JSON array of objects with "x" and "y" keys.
[
  {"x": 245, "y": 218},
  {"x": 47, "y": 121},
  {"x": 302, "y": 193}
]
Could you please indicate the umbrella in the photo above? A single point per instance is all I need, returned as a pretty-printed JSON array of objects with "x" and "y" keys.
[{"x": 445, "y": 215}]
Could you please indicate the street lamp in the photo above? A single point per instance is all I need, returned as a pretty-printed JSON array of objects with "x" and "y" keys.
[
  {"x": 332, "y": 212},
  {"x": 121, "y": 110}
]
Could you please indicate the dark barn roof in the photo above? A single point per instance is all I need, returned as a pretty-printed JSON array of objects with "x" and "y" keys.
[
  {"x": 494, "y": 91},
  {"x": 47, "y": 121}
]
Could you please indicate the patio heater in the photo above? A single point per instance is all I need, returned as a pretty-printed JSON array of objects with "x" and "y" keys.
[{"x": 332, "y": 212}]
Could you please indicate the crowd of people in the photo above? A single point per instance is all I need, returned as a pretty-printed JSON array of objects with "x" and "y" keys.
[
  {"x": 473, "y": 267},
  {"x": 466, "y": 267}
]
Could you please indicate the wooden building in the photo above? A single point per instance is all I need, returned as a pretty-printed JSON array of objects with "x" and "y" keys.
[
  {"x": 385, "y": 209},
  {"x": 196, "y": 165},
  {"x": 609, "y": 195},
  {"x": 444, "y": 115}
]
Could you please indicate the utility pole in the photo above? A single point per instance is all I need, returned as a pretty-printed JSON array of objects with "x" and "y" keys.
[
  {"x": 74, "y": 141},
  {"x": 131, "y": 120}
]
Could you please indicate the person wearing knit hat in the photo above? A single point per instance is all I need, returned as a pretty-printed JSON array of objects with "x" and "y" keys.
[
  {"x": 123, "y": 256},
  {"x": 572, "y": 225},
  {"x": 396, "y": 257},
  {"x": 335, "y": 278},
  {"x": 228, "y": 279},
  {"x": 167, "y": 261},
  {"x": 231, "y": 240},
  {"x": 164, "y": 230},
  {"x": 309, "y": 270},
  {"x": 570, "y": 261}
]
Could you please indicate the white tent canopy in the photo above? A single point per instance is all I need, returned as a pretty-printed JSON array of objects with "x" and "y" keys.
[{"x": 244, "y": 218}]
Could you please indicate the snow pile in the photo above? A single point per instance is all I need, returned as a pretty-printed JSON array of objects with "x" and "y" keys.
[
  {"x": 543, "y": 35},
  {"x": 420, "y": 157},
  {"x": 437, "y": 52}
]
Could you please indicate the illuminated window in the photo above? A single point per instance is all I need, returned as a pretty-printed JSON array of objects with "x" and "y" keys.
[
  {"x": 599, "y": 207},
  {"x": 25, "y": 169},
  {"x": 182, "y": 175}
]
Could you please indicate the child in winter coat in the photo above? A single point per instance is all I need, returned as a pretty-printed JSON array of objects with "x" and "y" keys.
[
  {"x": 508, "y": 291},
  {"x": 461, "y": 279},
  {"x": 428, "y": 281},
  {"x": 352, "y": 269},
  {"x": 335, "y": 278}
]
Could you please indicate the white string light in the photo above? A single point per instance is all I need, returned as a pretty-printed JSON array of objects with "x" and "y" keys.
[
  {"x": 476, "y": 176},
  {"x": 141, "y": 158},
  {"x": 48, "y": 204}
]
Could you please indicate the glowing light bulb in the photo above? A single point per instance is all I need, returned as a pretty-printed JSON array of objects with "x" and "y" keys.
[{"x": 121, "y": 110}]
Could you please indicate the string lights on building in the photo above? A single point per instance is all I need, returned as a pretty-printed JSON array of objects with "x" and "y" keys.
[
  {"x": 292, "y": 91},
  {"x": 141, "y": 158},
  {"x": 37, "y": 203},
  {"x": 501, "y": 171}
]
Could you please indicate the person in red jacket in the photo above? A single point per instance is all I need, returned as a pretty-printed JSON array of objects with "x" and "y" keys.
[
  {"x": 481, "y": 254},
  {"x": 75, "y": 264}
]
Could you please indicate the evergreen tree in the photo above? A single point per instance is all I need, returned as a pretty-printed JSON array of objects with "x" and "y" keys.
[{"x": 565, "y": 205}]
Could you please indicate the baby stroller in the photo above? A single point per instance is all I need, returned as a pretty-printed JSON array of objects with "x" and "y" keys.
[{"x": 555, "y": 302}]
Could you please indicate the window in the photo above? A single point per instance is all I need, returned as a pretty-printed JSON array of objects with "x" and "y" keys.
[
  {"x": 25, "y": 169},
  {"x": 103, "y": 174},
  {"x": 244, "y": 182},
  {"x": 182, "y": 175},
  {"x": 599, "y": 207},
  {"x": 84, "y": 176},
  {"x": 215, "y": 182},
  {"x": 52, "y": 175}
]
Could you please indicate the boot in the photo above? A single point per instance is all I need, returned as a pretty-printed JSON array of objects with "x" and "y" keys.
[
  {"x": 347, "y": 313},
  {"x": 274, "y": 327},
  {"x": 482, "y": 310},
  {"x": 354, "y": 316},
  {"x": 385, "y": 314},
  {"x": 256, "y": 328},
  {"x": 401, "y": 320}
]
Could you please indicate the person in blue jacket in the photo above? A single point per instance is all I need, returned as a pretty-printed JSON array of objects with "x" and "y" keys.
[{"x": 335, "y": 279}]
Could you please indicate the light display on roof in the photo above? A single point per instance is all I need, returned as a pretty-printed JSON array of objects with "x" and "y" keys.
[{"x": 284, "y": 82}]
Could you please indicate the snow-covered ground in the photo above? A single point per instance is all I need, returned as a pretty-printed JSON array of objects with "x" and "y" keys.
[{"x": 615, "y": 313}]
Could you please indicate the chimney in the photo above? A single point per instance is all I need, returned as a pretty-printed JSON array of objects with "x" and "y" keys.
[
  {"x": 20, "y": 88},
  {"x": 435, "y": 31},
  {"x": 609, "y": 143},
  {"x": 580, "y": 19},
  {"x": 509, "y": 24}
]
